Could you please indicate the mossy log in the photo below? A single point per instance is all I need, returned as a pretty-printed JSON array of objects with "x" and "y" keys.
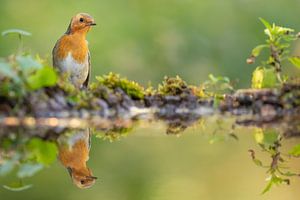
[{"x": 112, "y": 109}]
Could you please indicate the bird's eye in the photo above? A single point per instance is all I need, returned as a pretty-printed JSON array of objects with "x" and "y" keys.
[
  {"x": 82, "y": 182},
  {"x": 81, "y": 19}
]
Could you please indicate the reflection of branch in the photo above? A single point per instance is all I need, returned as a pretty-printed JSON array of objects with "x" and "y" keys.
[{"x": 277, "y": 174}]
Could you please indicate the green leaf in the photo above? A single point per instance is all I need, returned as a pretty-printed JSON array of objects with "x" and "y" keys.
[
  {"x": 15, "y": 31},
  {"x": 264, "y": 78},
  {"x": 7, "y": 71},
  {"x": 44, "y": 77},
  {"x": 295, "y": 61},
  {"x": 28, "y": 64},
  {"x": 17, "y": 186},
  {"x": 295, "y": 151},
  {"x": 212, "y": 78},
  {"x": 257, "y": 50},
  {"x": 28, "y": 170},
  {"x": 266, "y": 23},
  {"x": 43, "y": 152}
]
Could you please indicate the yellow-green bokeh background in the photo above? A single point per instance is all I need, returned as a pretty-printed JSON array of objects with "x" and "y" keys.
[{"x": 146, "y": 40}]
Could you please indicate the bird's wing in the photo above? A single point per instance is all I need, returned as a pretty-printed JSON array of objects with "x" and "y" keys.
[
  {"x": 86, "y": 82},
  {"x": 54, "y": 51},
  {"x": 90, "y": 138}
]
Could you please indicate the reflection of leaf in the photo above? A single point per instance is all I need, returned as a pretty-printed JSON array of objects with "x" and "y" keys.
[
  {"x": 268, "y": 187},
  {"x": 17, "y": 186},
  {"x": 27, "y": 170},
  {"x": 15, "y": 31},
  {"x": 258, "y": 162},
  {"x": 266, "y": 137},
  {"x": 43, "y": 77},
  {"x": 7, "y": 71},
  {"x": 9, "y": 165},
  {"x": 295, "y": 151},
  {"x": 28, "y": 64},
  {"x": 216, "y": 138},
  {"x": 274, "y": 179},
  {"x": 234, "y": 136},
  {"x": 43, "y": 151}
]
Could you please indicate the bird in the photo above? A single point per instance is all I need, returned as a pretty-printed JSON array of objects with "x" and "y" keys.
[
  {"x": 71, "y": 54},
  {"x": 73, "y": 153}
]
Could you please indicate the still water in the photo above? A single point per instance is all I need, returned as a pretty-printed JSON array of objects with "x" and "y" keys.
[{"x": 209, "y": 159}]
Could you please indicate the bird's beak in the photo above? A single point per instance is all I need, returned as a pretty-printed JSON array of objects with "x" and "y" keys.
[
  {"x": 92, "y": 24},
  {"x": 92, "y": 177}
]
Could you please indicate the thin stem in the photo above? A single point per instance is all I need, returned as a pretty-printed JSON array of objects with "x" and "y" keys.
[
  {"x": 277, "y": 61},
  {"x": 20, "y": 48}
]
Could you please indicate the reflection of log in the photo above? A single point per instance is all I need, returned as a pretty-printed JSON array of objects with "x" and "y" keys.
[{"x": 52, "y": 110}]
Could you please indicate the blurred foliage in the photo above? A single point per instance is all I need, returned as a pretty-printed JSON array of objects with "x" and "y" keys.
[
  {"x": 27, "y": 156},
  {"x": 23, "y": 73},
  {"x": 279, "y": 41}
]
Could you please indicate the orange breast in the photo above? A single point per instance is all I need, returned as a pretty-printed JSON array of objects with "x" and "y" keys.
[
  {"x": 76, "y": 156},
  {"x": 75, "y": 44}
]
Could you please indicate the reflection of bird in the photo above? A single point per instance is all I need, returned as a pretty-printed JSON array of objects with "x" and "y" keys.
[
  {"x": 73, "y": 154},
  {"x": 71, "y": 54}
]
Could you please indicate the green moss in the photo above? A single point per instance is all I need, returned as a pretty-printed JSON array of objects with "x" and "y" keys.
[
  {"x": 172, "y": 86},
  {"x": 113, "y": 81},
  {"x": 177, "y": 86}
]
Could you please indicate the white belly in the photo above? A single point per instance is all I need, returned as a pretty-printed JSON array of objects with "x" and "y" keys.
[{"x": 78, "y": 71}]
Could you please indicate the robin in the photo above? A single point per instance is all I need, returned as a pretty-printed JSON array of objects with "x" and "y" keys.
[
  {"x": 73, "y": 154},
  {"x": 71, "y": 54}
]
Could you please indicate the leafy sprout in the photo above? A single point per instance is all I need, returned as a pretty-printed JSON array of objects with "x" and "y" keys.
[{"x": 278, "y": 42}]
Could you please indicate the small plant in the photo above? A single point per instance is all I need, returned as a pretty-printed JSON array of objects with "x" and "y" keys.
[
  {"x": 22, "y": 73},
  {"x": 177, "y": 86},
  {"x": 20, "y": 33},
  {"x": 172, "y": 86},
  {"x": 216, "y": 87},
  {"x": 278, "y": 42}
]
